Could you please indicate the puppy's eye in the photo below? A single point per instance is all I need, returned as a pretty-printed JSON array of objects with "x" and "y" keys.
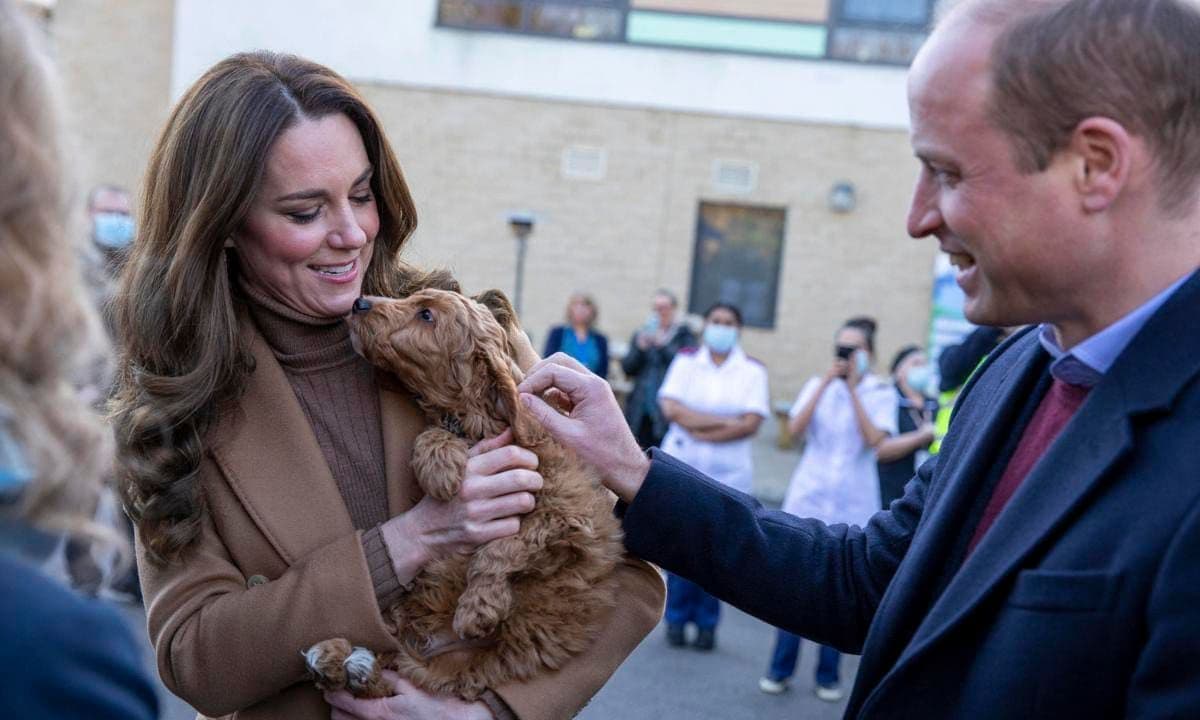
[{"x": 425, "y": 315}]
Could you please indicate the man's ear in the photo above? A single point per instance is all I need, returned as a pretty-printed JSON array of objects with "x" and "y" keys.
[{"x": 1105, "y": 154}]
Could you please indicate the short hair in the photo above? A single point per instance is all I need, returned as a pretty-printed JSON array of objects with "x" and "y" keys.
[
  {"x": 903, "y": 354},
  {"x": 1054, "y": 64},
  {"x": 586, "y": 299},
  {"x": 722, "y": 305},
  {"x": 668, "y": 295},
  {"x": 867, "y": 325}
]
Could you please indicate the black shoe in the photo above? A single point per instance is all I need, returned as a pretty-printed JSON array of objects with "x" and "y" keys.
[
  {"x": 675, "y": 636},
  {"x": 705, "y": 640}
]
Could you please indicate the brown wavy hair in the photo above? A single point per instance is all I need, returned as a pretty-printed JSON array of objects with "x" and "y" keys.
[
  {"x": 182, "y": 359},
  {"x": 48, "y": 327}
]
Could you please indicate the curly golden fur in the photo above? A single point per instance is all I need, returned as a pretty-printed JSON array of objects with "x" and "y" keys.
[{"x": 520, "y": 605}]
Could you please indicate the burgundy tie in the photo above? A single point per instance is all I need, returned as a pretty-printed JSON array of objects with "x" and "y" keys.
[{"x": 1052, "y": 415}]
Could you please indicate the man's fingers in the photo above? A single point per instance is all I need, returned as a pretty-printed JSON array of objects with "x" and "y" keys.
[
  {"x": 558, "y": 399},
  {"x": 489, "y": 444},
  {"x": 567, "y": 380},
  {"x": 562, "y": 360},
  {"x": 553, "y": 421}
]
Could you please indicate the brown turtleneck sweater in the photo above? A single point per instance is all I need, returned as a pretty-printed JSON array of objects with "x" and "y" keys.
[{"x": 337, "y": 390}]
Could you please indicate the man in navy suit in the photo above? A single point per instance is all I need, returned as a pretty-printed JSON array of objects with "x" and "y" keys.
[{"x": 1047, "y": 562}]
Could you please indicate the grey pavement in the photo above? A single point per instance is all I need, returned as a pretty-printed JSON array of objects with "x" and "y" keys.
[{"x": 658, "y": 682}]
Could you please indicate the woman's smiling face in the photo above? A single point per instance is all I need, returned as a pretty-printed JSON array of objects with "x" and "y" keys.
[{"x": 308, "y": 237}]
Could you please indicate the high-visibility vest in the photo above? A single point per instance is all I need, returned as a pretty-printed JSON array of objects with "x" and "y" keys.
[{"x": 941, "y": 423}]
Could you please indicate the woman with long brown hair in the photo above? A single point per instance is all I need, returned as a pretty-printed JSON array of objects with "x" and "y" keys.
[
  {"x": 264, "y": 463},
  {"x": 63, "y": 656}
]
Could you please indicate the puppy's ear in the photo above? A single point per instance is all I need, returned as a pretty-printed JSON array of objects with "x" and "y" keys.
[
  {"x": 497, "y": 302},
  {"x": 503, "y": 376},
  {"x": 519, "y": 347},
  {"x": 410, "y": 279}
]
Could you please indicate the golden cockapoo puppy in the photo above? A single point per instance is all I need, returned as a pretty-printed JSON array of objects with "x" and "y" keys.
[{"x": 517, "y": 606}]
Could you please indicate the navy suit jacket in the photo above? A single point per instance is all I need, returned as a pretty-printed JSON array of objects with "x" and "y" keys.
[
  {"x": 65, "y": 657},
  {"x": 1083, "y": 600}
]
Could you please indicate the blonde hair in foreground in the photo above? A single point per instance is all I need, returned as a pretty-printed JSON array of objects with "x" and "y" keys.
[{"x": 48, "y": 328}]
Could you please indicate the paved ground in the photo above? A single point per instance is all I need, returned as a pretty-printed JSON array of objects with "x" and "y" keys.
[{"x": 662, "y": 683}]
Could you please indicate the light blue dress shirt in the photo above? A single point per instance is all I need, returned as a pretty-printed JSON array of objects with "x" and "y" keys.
[{"x": 1088, "y": 361}]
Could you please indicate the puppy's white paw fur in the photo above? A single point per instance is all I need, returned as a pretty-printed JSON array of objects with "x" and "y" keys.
[
  {"x": 312, "y": 660},
  {"x": 360, "y": 665}
]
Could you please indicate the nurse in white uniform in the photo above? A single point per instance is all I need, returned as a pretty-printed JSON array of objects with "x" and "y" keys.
[
  {"x": 837, "y": 480},
  {"x": 715, "y": 398}
]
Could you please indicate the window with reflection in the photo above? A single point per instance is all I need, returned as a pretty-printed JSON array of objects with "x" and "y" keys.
[{"x": 869, "y": 31}]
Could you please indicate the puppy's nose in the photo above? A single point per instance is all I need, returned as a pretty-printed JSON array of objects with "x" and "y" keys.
[{"x": 362, "y": 305}]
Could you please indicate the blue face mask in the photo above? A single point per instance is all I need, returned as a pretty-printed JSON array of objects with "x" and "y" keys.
[
  {"x": 922, "y": 379},
  {"x": 862, "y": 363},
  {"x": 112, "y": 230},
  {"x": 720, "y": 338},
  {"x": 14, "y": 472}
]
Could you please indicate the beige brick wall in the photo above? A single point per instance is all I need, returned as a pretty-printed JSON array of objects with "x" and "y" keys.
[
  {"x": 114, "y": 57},
  {"x": 472, "y": 158}
]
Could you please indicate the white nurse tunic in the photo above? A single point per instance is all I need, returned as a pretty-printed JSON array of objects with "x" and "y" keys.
[{"x": 734, "y": 388}]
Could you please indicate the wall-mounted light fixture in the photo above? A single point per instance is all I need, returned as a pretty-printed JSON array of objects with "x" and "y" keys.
[{"x": 843, "y": 197}]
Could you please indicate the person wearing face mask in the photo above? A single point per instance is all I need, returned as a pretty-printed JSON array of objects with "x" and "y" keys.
[
  {"x": 899, "y": 456},
  {"x": 651, "y": 350},
  {"x": 109, "y": 210},
  {"x": 88, "y": 564},
  {"x": 715, "y": 398},
  {"x": 842, "y": 416}
]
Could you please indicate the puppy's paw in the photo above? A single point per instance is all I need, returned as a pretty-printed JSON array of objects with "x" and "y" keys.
[
  {"x": 439, "y": 461},
  {"x": 326, "y": 663},
  {"x": 362, "y": 671},
  {"x": 472, "y": 624},
  {"x": 481, "y": 610}
]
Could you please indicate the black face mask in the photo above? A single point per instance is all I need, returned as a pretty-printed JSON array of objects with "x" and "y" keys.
[{"x": 844, "y": 351}]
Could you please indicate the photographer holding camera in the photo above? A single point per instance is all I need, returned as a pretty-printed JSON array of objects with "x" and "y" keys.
[{"x": 842, "y": 417}]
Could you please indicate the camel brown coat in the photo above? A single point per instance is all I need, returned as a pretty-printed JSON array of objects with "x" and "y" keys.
[{"x": 279, "y": 566}]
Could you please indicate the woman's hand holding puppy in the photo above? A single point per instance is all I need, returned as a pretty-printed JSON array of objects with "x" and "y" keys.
[{"x": 496, "y": 490}]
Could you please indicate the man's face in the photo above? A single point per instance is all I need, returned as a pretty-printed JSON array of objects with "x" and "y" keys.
[{"x": 1009, "y": 234}]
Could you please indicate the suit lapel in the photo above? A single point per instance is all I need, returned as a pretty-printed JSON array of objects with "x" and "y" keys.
[
  {"x": 270, "y": 457},
  {"x": 1160, "y": 361},
  {"x": 948, "y": 500}
]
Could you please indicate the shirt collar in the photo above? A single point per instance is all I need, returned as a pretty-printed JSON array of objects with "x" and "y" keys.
[
  {"x": 1088, "y": 361},
  {"x": 735, "y": 355}
]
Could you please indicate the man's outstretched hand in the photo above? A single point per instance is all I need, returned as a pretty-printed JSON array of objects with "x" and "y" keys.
[{"x": 593, "y": 425}]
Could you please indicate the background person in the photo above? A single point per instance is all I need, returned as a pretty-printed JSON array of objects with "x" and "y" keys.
[
  {"x": 900, "y": 455},
  {"x": 715, "y": 398},
  {"x": 1044, "y": 564},
  {"x": 842, "y": 417},
  {"x": 265, "y": 464},
  {"x": 651, "y": 350},
  {"x": 579, "y": 337},
  {"x": 63, "y": 656}
]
